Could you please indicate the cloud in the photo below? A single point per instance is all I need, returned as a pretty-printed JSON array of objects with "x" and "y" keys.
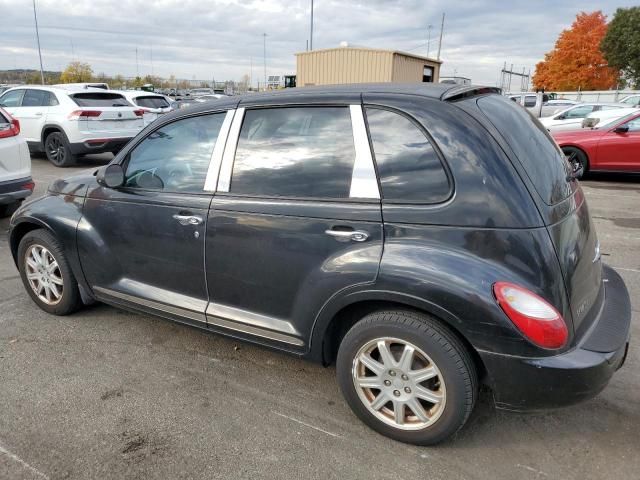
[{"x": 221, "y": 39}]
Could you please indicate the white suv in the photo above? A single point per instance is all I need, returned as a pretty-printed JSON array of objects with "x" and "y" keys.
[
  {"x": 68, "y": 122},
  {"x": 153, "y": 104},
  {"x": 15, "y": 165}
]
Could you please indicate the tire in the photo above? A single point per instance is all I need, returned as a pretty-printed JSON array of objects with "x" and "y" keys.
[
  {"x": 578, "y": 161},
  {"x": 8, "y": 209},
  {"x": 58, "y": 150},
  {"x": 450, "y": 378},
  {"x": 61, "y": 277}
]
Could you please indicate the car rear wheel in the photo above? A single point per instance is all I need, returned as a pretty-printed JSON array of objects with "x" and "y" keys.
[
  {"x": 46, "y": 274},
  {"x": 577, "y": 160},
  {"x": 58, "y": 150},
  {"x": 407, "y": 377}
]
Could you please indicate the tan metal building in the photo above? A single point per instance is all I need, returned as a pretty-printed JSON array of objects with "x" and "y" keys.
[{"x": 361, "y": 65}]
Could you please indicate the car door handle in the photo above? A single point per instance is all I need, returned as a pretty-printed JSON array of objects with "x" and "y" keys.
[
  {"x": 188, "y": 219},
  {"x": 348, "y": 235},
  {"x": 38, "y": 114}
]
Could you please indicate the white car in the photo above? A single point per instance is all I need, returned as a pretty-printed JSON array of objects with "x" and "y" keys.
[
  {"x": 153, "y": 104},
  {"x": 571, "y": 118},
  {"x": 15, "y": 165},
  {"x": 554, "y": 106},
  {"x": 602, "y": 117},
  {"x": 631, "y": 100},
  {"x": 68, "y": 122}
]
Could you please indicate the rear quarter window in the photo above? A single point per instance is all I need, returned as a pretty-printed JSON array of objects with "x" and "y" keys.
[
  {"x": 531, "y": 143},
  {"x": 99, "y": 99}
]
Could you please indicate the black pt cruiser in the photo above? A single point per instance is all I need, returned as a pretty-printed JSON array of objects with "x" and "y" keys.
[{"x": 426, "y": 239}]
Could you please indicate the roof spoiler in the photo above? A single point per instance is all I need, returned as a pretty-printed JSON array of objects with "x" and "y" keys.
[{"x": 466, "y": 91}]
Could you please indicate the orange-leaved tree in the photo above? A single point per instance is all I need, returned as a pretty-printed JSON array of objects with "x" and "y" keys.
[{"x": 576, "y": 61}]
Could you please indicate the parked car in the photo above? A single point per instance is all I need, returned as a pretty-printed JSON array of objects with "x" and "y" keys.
[
  {"x": 197, "y": 92},
  {"x": 606, "y": 116},
  {"x": 152, "y": 104},
  {"x": 425, "y": 238},
  {"x": 15, "y": 165},
  {"x": 613, "y": 146},
  {"x": 201, "y": 99},
  {"x": 68, "y": 122},
  {"x": 85, "y": 85},
  {"x": 552, "y": 107},
  {"x": 633, "y": 100},
  {"x": 571, "y": 118}
]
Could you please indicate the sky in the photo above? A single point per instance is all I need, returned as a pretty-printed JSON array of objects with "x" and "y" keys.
[{"x": 223, "y": 39}]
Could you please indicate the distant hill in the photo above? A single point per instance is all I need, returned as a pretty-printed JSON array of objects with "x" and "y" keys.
[{"x": 28, "y": 76}]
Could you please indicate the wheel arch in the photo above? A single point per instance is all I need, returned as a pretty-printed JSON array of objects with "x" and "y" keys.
[
  {"x": 50, "y": 128},
  {"x": 21, "y": 229},
  {"x": 581, "y": 149},
  {"x": 334, "y": 321}
]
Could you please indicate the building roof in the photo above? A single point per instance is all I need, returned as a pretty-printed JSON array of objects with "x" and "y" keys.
[{"x": 367, "y": 49}]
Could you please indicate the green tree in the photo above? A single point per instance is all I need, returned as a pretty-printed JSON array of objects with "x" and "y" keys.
[
  {"x": 621, "y": 44},
  {"x": 77, "y": 72}
]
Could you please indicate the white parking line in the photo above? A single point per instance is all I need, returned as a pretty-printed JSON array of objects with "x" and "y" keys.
[
  {"x": 627, "y": 269},
  {"x": 16, "y": 458},
  {"x": 307, "y": 425},
  {"x": 599, "y": 194}
]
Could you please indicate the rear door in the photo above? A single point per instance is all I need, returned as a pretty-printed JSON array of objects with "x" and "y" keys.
[
  {"x": 296, "y": 219},
  {"x": 32, "y": 113},
  {"x": 143, "y": 243}
]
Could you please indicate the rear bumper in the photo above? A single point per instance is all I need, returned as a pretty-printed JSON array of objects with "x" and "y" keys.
[
  {"x": 15, "y": 190},
  {"x": 98, "y": 145},
  {"x": 532, "y": 383}
]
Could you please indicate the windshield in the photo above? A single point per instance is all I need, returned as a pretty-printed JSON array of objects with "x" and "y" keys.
[{"x": 531, "y": 143}]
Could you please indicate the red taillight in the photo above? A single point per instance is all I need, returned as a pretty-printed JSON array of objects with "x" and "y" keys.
[
  {"x": 12, "y": 130},
  {"x": 28, "y": 186},
  {"x": 77, "y": 114},
  {"x": 139, "y": 113},
  {"x": 534, "y": 317}
]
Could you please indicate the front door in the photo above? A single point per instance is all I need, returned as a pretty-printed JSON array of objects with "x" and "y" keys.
[
  {"x": 143, "y": 244},
  {"x": 295, "y": 220},
  {"x": 33, "y": 113},
  {"x": 621, "y": 150}
]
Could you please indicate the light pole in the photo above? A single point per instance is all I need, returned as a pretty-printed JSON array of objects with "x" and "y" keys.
[
  {"x": 311, "y": 33},
  {"x": 35, "y": 17},
  {"x": 429, "y": 27},
  {"x": 264, "y": 39}
]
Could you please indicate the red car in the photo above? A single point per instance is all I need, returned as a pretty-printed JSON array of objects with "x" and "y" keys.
[{"x": 612, "y": 147}]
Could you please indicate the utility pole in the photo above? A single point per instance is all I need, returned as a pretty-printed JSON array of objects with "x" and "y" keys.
[
  {"x": 264, "y": 37},
  {"x": 429, "y": 27},
  {"x": 251, "y": 75},
  {"x": 311, "y": 33},
  {"x": 35, "y": 18},
  {"x": 152, "y": 61},
  {"x": 137, "y": 69},
  {"x": 441, "y": 30}
]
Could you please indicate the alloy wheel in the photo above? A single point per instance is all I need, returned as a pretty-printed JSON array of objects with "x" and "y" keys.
[
  {"x": 399, "y": 383},
  {"x": 43, "y": 274},
  {"x": 56, "y": 149}
]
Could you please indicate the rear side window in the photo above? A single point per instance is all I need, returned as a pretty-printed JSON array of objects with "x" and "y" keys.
[
  {"x": 152, "y": 102},
  {"x": 36, "y": 98},
  {"x": 175, "y": 158},
  {"x": 99, "y": 99},
  {"x": 533, "y": 146},
  {"x": 408, "y": 166},
  {"x": 295, "y": 152}
]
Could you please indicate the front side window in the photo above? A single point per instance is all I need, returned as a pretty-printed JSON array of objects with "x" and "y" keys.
[
  {"x": 634, "y": 125},
  {"x": 408, "y": 166},
  {"x": 633, "y": 101},
  {"x": 295, "y": 152},
  {"x": 12, "y": 99},
  {"x": 175, "y": 158}
]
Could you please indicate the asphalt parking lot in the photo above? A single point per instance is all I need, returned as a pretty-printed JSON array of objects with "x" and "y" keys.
[{"x": 110, "y": 394}]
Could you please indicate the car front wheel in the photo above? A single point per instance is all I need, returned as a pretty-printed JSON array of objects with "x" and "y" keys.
[
  {"x": 407, "y": 377},
  {"x": 577, "y": 160},
  {"x": 46, "y": 274}
]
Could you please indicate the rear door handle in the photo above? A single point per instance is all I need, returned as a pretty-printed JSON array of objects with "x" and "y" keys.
[
  {"x": 38, "y": 114},
  {"x": 348, "y": 235},
  {"x": 188, "y": 219}
]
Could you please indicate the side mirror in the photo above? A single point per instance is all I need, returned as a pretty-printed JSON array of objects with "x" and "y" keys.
[
  {"x": 111, "y": 176},
  {"x": 621, "y": 129},
  {"x": 562, "y": 117}
]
